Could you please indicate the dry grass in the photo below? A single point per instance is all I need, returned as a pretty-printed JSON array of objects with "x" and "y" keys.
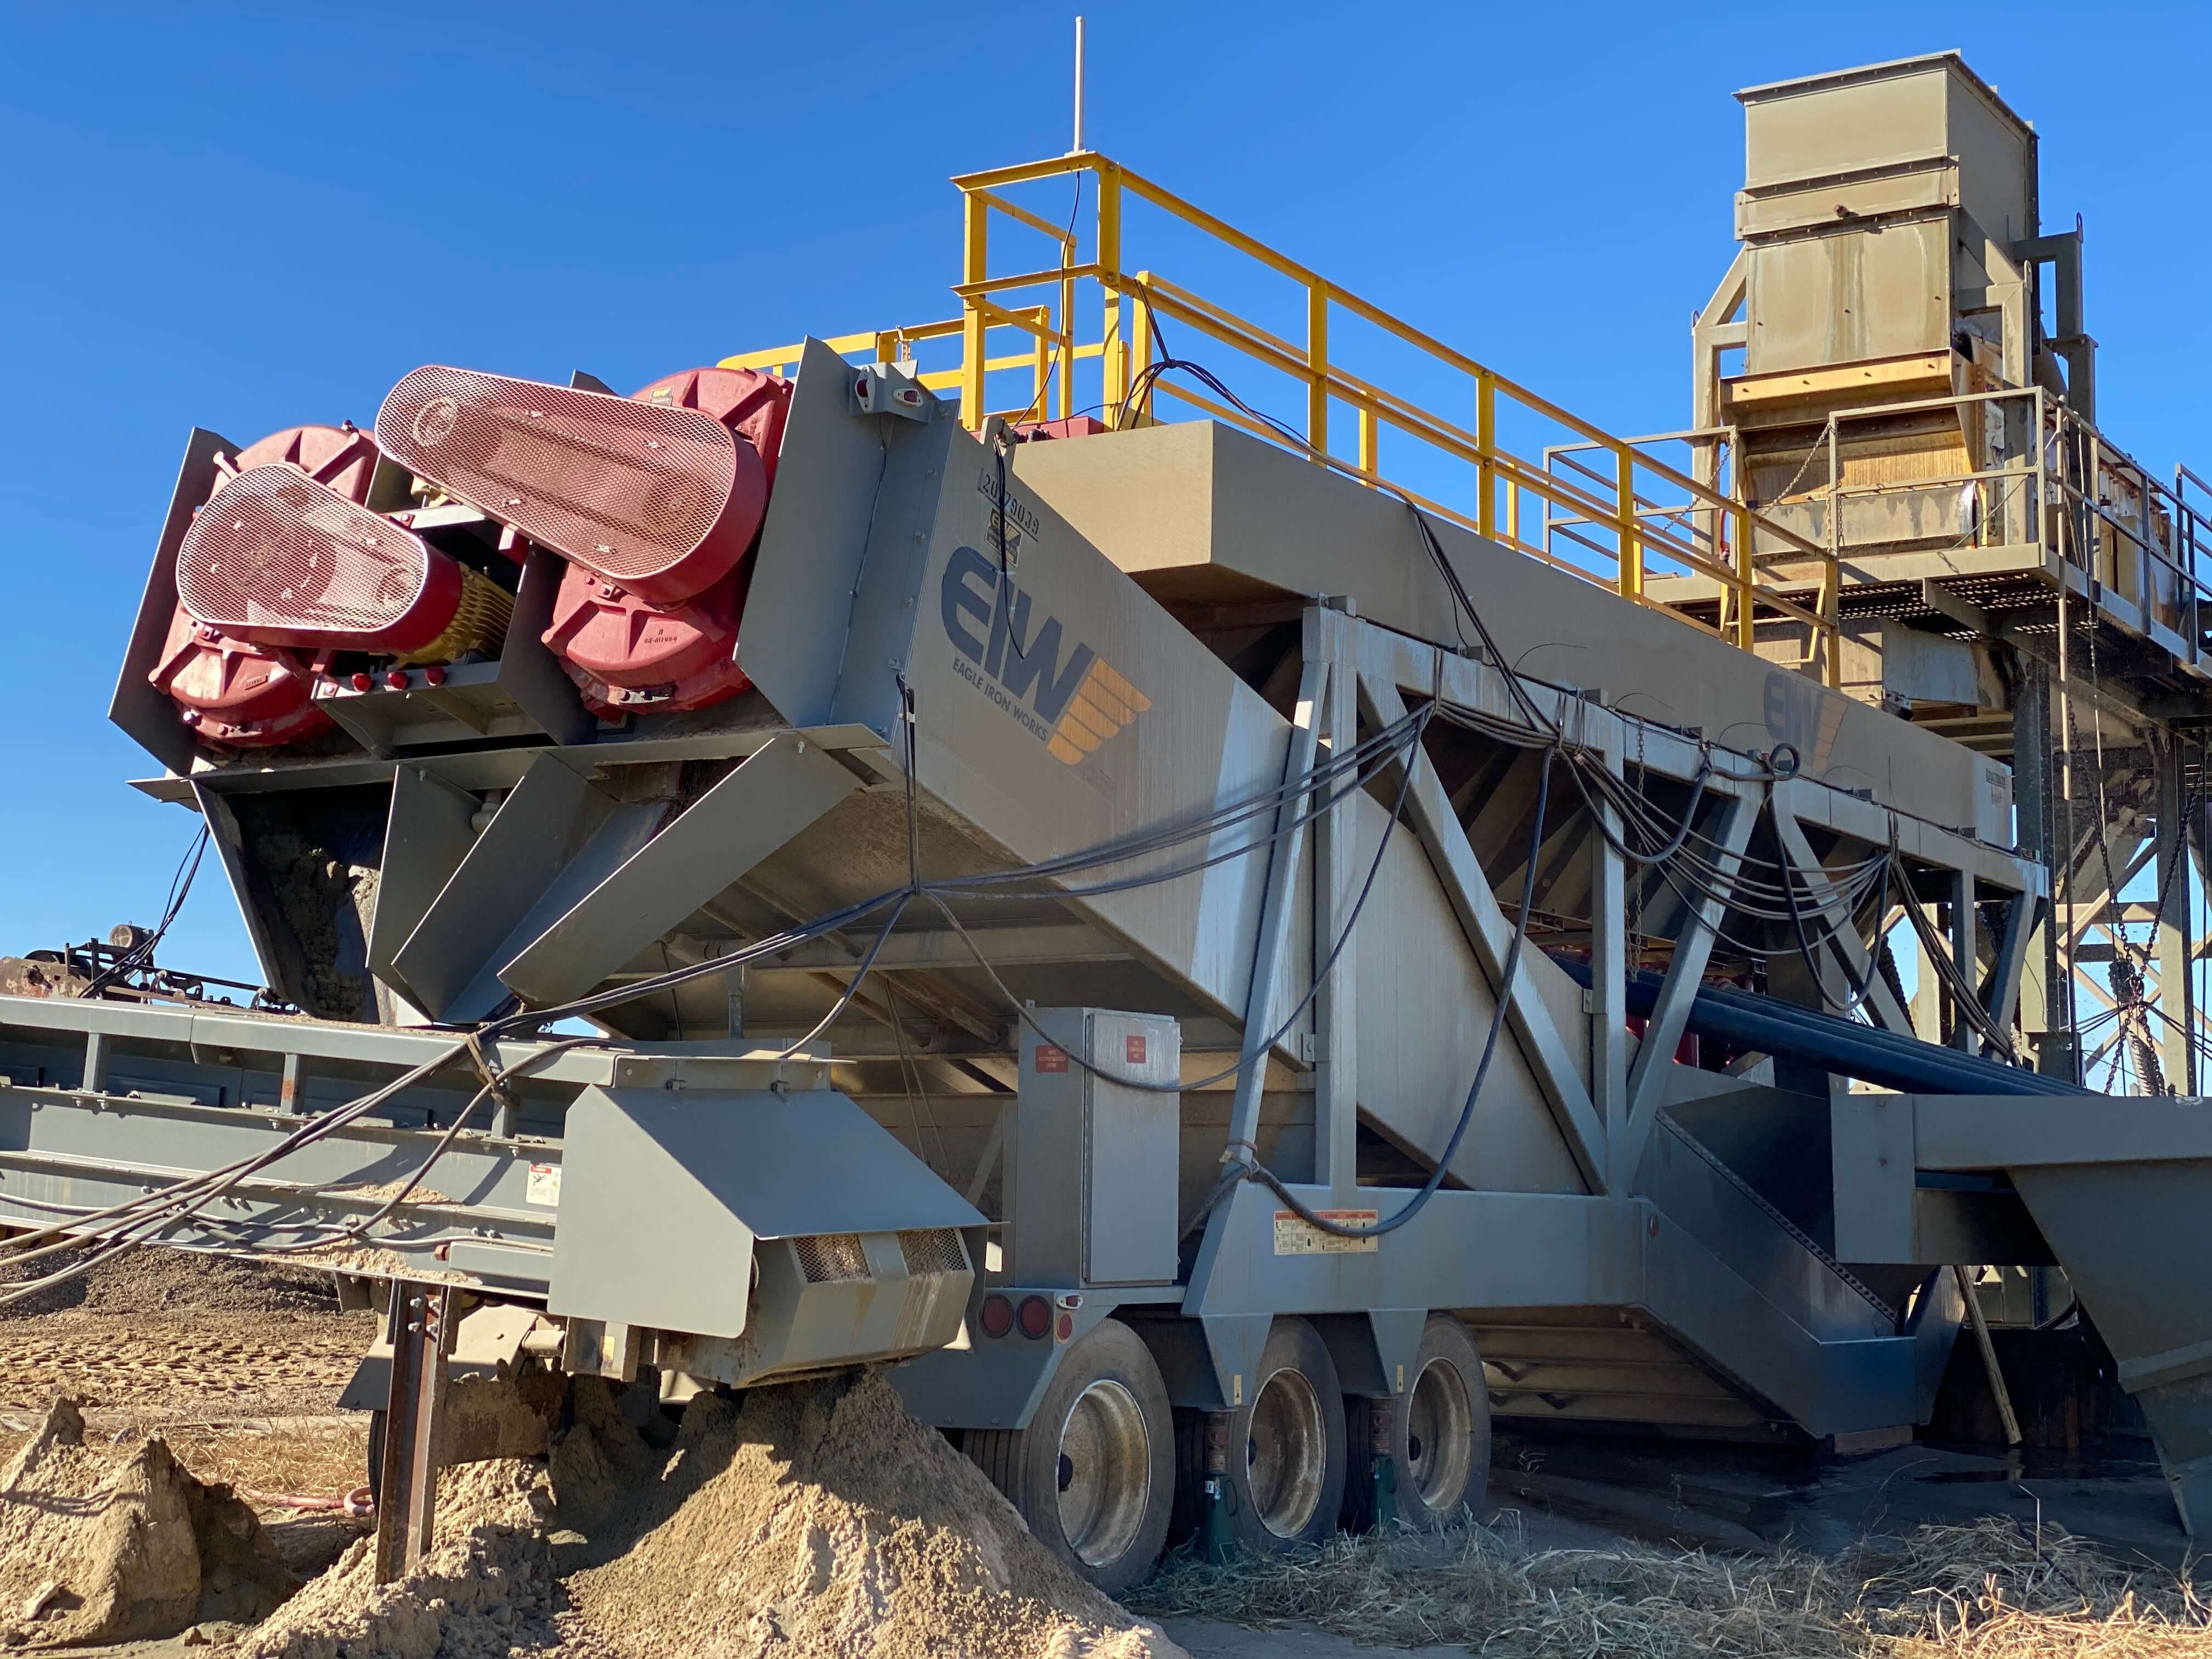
[
  {"x": 324, "y": 1460},
  {"x": 294, "y": 1456},
  {"x": 1992, "y": 1590}
]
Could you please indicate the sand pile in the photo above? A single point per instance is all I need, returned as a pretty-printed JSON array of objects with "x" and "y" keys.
[
  {"x": 94, "y": 1548},
  {"x": 816, "y": 1519},
  {"x": 486, "y": 1589},
  {"x": 812, "y": 1520}
]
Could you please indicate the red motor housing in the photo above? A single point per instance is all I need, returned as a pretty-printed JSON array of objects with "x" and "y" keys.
[
  {"x": 661, "y": 493},
  {"x": 627, "y": 656},
  {"x": 343, "y": 457},
  {"x": 234, "y": 692},
  {"x": 629, "y": 651}
]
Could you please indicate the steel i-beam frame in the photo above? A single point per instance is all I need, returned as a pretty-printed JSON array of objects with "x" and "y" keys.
[{"x": 420, "y": 1324}]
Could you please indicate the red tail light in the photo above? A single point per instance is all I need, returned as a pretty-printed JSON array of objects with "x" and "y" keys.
[
  {"x": 277, "y": 558},
  {"x": 659, "y": 497},
  {"x": 1034, "y": 1316}
]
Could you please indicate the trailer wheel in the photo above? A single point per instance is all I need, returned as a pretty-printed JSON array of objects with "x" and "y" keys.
[
  {"x": 1439, "y": 1436},
  {"x": 1287, "y": 1449},
  {"x": 1094, "y": 1473}
]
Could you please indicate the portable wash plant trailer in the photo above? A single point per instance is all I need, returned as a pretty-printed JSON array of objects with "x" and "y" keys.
[{"x": 1099, "y": 922}]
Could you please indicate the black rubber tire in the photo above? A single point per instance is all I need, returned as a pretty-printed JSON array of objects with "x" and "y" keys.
[
  {"x": 1296, "y": 1380},
  {"x": 1189, "y": 1511},
  {"x": 1107, "y": 1393},
  {"x": 1439, "y": 1432},
  {"x": 1360, "y": 1411}
]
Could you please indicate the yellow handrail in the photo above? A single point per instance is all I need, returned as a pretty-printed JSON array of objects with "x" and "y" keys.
[{"x": 1125, "y": 346}]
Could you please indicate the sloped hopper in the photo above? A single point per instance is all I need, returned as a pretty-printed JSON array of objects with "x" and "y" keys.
[
  {"x": 2119, "y": 1186},
  {"x": 749, "y": 1233},
  {"x": 2131, "y": 1236}
]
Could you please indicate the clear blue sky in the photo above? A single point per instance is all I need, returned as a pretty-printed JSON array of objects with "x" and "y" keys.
[{"x": 247, "y": 218}]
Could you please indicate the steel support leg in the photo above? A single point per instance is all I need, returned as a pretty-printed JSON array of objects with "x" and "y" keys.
[
  {"x": 1966, "y": 957},
  {"x": 1612, "y": 952},
  {"x": 2175, "y": 1051},
  {"x": 1336, "y": 873},
  {"x": 1275, "y": 914},
  {"x": 1382, "y": 1457},
  {"x": 1927, "y": 1010},
  {"x": 1216, "y": 1541},
  {"x": 420, "y": 1324},
  {"x": 2043, "y": 1002}
]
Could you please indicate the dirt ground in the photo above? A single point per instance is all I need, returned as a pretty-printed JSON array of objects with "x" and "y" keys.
[{"x": 235, "y": 1366}]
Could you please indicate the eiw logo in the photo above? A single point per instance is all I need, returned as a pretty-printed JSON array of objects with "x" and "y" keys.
[{"x": 1071, "y": 706}]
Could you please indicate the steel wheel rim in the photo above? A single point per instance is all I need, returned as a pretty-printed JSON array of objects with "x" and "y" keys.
[
  {"x": 1286, "y": 1453},
  {"x": 1104, "y": 1472},
  {"x": 1440, "y": 1437}
]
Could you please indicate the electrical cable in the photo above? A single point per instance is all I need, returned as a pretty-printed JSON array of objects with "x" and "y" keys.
[
  {"x": 1320, "y": 977},
  {"x": 357, "y": 1229},
  {"x": 1579, "y": 763},
  {"x": 141, "y": 1221},
  {"x": 1804, "y": 945},
  {"x": 1738, "y": 884},
  {"x": 1363, "y": 761},
  {"x": 141, "y": 954},
  {"x": 137, "y": 1220},
  {"x": 1703, "y": 878},
  {"x": 1507, "y": 979}
]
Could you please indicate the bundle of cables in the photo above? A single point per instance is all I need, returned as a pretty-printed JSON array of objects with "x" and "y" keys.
[{"x": 95, "y": 1235}]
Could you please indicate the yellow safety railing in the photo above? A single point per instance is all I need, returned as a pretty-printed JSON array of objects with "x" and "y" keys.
[{"x": 1039, "y": 304}]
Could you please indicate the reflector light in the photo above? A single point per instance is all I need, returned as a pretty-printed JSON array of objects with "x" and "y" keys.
[
  {"x": 996, "y": 1316},
  {"x": 662, "y": 499},
  {"x": 279, "y": 559}
]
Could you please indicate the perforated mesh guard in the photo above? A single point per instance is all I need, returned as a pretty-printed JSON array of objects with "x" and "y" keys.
[
  {"x": 273, "y": 551},
  {"x": 932, "y": 1250},
  {"x": 826, "y": 1257},
  {"x": 631, "y": 489}
]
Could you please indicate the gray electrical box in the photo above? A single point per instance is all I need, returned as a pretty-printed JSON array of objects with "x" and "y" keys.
[{"x": 1095, "y": 1159}]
